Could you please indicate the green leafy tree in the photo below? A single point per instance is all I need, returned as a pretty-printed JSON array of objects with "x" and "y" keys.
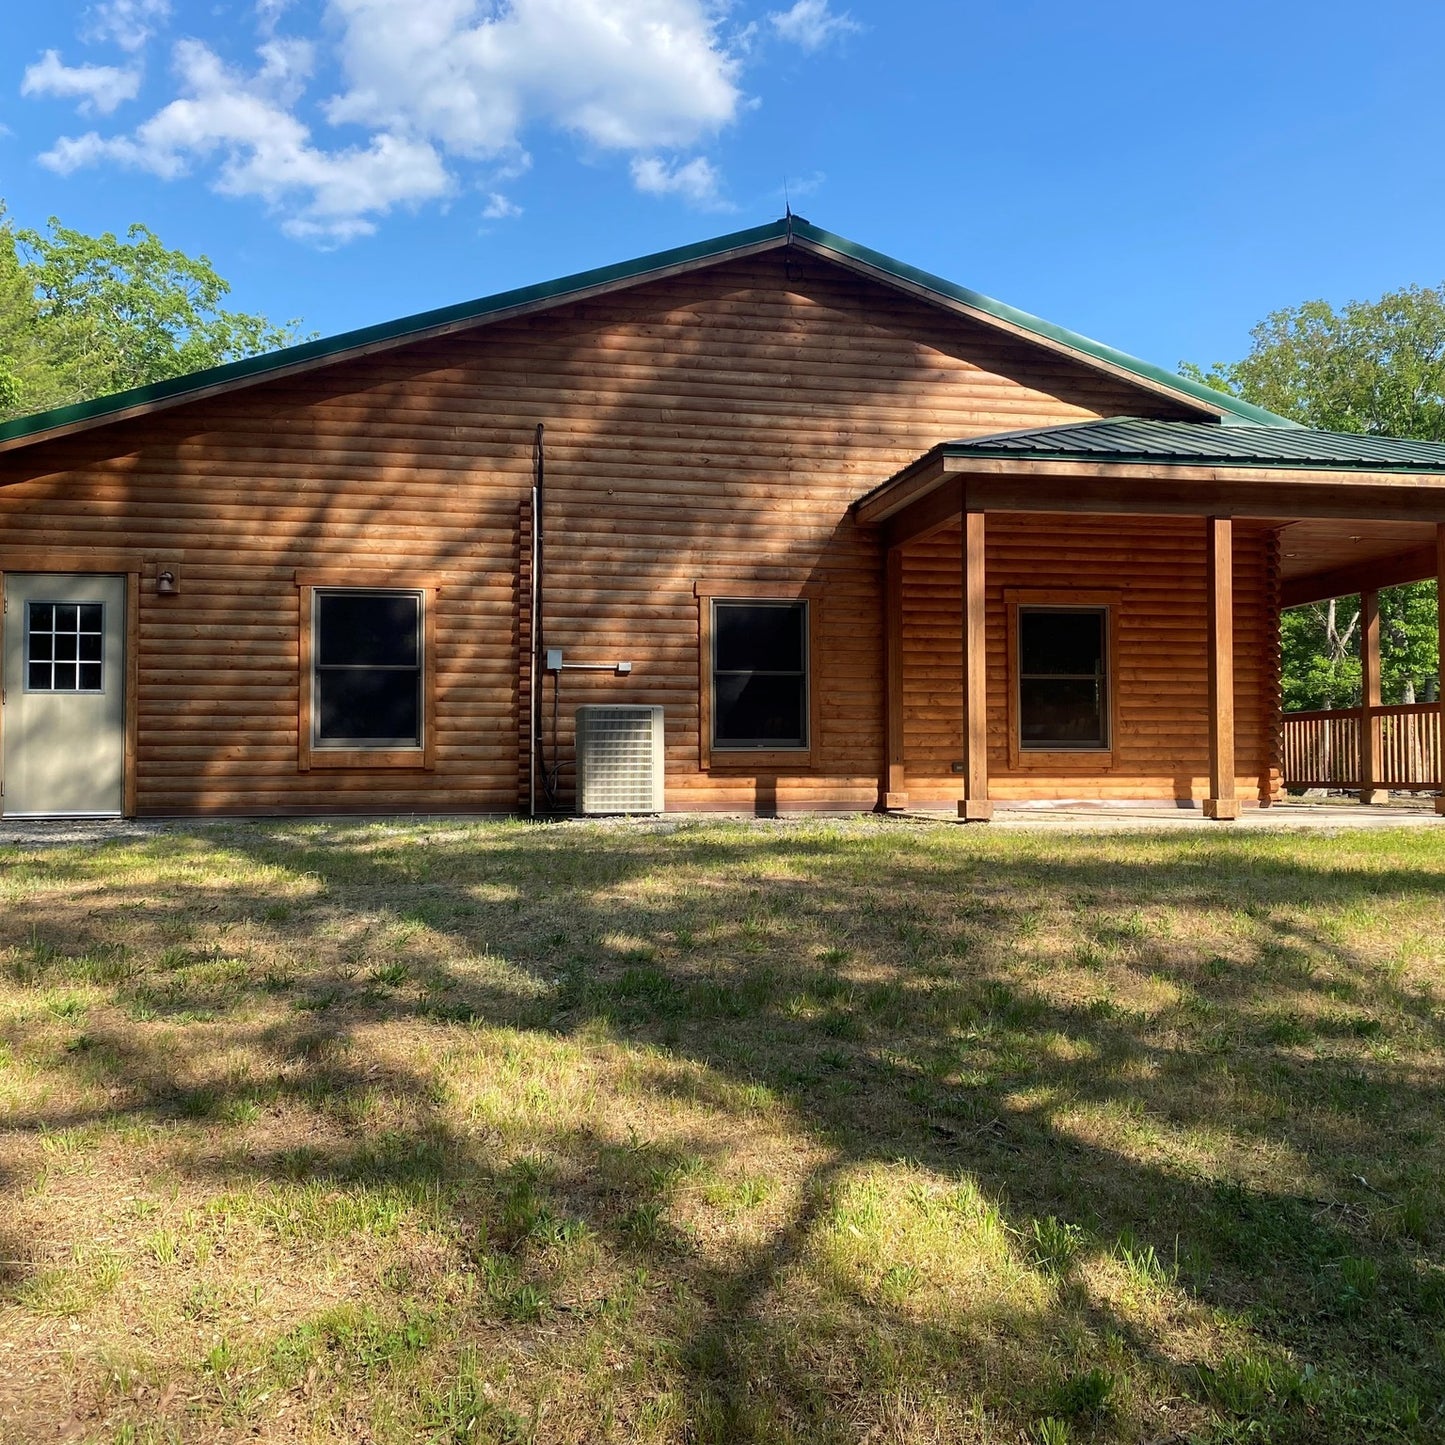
[
  {"x": 85, "y": 316},
  {"x": 1320, "y": 644},
  {"x": 1321, "y": 661},
  {"x": 1376, "y": 367},
  {"x": 29, "y": 380}
]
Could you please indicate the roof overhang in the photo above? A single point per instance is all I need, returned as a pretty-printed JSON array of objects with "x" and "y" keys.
[
  {"x": 792, "y": 232},
  {"x": 933, "y": 491}
]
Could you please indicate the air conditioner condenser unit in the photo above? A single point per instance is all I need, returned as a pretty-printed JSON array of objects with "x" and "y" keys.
[{"x": 619, "y": 759}]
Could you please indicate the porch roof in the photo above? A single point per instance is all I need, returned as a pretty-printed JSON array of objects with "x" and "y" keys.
[
  {"x": 1126, "y": 463},
  {"x": 1126, "y": 439},
  {"x": 1354, "y": 511}
]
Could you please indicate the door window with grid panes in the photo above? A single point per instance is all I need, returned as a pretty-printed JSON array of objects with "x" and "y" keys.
[{"x": 64, "y": 646}]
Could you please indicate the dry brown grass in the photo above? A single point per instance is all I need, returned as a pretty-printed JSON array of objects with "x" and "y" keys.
[{"x": 781, "y": 1132}]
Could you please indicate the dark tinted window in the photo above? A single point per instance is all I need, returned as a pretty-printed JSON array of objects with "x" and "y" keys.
[
  {"x": 359, "y": 705},
  {"x": 1071, "y": 643},
  {"x": 368, "y": 629},
  {"x": 760, "y": 683},
  {"x": 367, "y": 649},
  {"x": 1063, "y": 682},
  {"x": 759, "y": 637}
]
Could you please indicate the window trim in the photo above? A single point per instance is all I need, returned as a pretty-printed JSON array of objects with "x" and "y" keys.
[
  {"x": 311, "y": 756},
  {"x": 1056, "y": 758},
  {"x": 712, "y": 758}
]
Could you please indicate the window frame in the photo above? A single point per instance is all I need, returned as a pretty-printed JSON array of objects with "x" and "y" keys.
[
  {"x": 311, "y": 754},
  {"x": 27, "y": 659},
  {"x": 1053, "y": 756},
  {"x": 730, "y": 757}
]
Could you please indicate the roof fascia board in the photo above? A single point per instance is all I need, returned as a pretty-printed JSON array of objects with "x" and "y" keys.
[
  {"x": 914, "y": 482},
  {"x": 386, "y": 336},
  {"x": 1193, "y": 470},
  {"x": 942, "y": 505},
  {"x": 1022, "y": 324}
]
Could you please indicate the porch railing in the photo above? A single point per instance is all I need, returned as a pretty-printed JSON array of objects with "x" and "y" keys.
[{"x": 1322, "y": 749}]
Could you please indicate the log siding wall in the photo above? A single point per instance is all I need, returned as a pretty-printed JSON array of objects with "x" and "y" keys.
[{"x": 709, "y": 426}]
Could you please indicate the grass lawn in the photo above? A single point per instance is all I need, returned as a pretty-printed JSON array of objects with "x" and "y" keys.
[{"x": 806, "y": 1132}]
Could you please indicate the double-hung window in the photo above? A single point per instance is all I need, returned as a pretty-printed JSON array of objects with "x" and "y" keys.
[
  {"x": 367, "y": 662},
  {"x": 366, "y": 665},
  {"x": 1063, "y": 678},
  {"x": 759, "y": 675}
]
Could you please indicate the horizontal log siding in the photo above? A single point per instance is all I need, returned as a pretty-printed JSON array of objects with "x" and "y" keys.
[
  {"x": 708, "y": 426},
  {"x": 1158, "y": 565}
]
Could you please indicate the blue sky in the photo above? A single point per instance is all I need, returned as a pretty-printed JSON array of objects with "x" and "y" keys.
[{"x": 1158, "y": 176}]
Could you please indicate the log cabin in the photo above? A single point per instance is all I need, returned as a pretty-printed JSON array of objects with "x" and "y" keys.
[{"x": 798, "y": 526}]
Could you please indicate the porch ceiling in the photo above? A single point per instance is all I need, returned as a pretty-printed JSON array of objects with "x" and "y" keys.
[{"x": 1320, "y": 559}]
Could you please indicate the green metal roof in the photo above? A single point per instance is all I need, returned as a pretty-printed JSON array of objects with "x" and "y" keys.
[
  {"x": 791, "y": 230},
  {"x": 1188, "y": 443}
]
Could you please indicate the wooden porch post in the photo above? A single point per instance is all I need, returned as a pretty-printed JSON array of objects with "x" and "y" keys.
[
  {"x": 895, "y": 773},
  {"x": 974, "y": 806},
  {"x": 1370, "y": 698},
  {"x": 1440, "y": 601},
  {"x": 1221, "y": 802}
]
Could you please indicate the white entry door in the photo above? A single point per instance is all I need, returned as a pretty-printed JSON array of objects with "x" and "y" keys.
[{"x": 62, "y": 720}]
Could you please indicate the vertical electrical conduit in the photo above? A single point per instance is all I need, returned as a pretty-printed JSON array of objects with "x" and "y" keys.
[{"x": 538, "y": 655}]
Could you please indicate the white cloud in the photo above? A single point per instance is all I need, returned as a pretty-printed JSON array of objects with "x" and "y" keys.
[
  {"x": 810, "y": 24},
  {"x": 499, "y": 208},
  {"x": 517, "y": 164},
  {"x": 432, "y": 87},
  {"x": 97, "y": 87},
  {"x": 697, "y": 181},
  {"x": 622, "y": 74},
  {"x": 263, "y": 150},
  {"x": 130, "y": 23},
  {"x": 805, "y": 186}
]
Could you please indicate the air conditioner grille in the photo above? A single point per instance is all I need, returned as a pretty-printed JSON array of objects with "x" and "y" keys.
[{"x": 619, "y": 759}]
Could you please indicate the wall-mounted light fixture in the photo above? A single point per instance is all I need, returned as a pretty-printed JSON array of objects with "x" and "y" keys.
[{"x": 166, "y": 584}]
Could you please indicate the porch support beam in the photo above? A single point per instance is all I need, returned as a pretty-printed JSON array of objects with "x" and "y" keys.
[
  {"x": 895, "y": 772},
  {"x": 1370, "y": 698},
  {"x": 1414, "y": 565},
  {"x": 1222, "y": 802},
  {"x": 974, "y": 806},
  {"x": 1440, "y": 601}
]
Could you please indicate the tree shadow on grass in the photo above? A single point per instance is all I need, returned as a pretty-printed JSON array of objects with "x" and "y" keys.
[{"x": 889, "y": 1002}]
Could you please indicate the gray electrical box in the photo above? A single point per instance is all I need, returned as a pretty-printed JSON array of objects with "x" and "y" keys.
[{"x": 619, "y": 759}]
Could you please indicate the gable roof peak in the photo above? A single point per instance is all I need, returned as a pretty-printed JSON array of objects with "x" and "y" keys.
[{"x": 790, "y": 230}]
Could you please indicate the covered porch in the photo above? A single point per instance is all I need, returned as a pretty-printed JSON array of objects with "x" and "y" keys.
[
  {"x": 1376, "y": 748},
  {"x": 1068, "y": 538}
]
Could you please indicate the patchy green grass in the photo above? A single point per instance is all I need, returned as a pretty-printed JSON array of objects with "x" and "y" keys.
[{"x": 805, "y": 1132}]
